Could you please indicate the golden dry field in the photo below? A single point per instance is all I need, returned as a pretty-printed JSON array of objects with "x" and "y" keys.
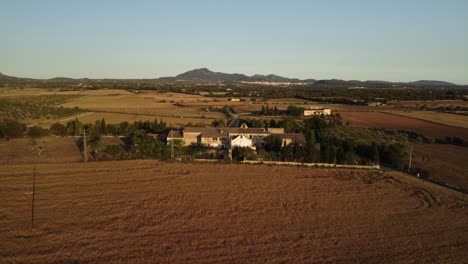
[{"x": 153, "y": 212}]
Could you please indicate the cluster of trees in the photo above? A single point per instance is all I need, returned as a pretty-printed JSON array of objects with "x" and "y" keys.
[
  {"x": 457, "y": 141},
  {"x": 76, "y": 127},
  {"x": 267, "y": 111},
  {"x": 274, "y": 111}
]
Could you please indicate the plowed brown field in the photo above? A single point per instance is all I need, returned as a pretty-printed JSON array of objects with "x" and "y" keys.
[
  {"x": 399, "y": 122},
  {"x": 152, "y": 212},
  {"x": 444, "y": 163}
]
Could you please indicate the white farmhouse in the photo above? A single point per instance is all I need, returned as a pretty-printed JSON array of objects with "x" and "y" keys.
[{"x": 242, "y": 141}]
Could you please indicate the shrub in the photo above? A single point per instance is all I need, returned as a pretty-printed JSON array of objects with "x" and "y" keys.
[
  {"x": 241, "y": 153},
  {"x": 58, "y": 129},
  {"x": 37, "y": 132},
  {"x": 10, "y": 128}
]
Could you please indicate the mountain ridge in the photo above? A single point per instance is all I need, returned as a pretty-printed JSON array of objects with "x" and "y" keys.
[{"x": 204, "y": 75}]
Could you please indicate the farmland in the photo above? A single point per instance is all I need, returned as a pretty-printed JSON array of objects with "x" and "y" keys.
[
  {"x": 56, "y": 150},
  {"x": 444, "y": 163},
  {"x": 147, "y": 212},
  {"x": 398, "y": 122},
  {"x": 443, "y": 118}
]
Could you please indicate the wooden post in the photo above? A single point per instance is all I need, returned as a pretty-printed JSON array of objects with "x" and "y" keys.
[{"x": 172, "y": 149}]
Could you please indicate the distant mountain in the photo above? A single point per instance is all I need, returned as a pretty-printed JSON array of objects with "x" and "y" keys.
[
  {"x": 431, "y": 83},
  {"x": 205, "y": 75},
  {"x": 4, "y": 77}
]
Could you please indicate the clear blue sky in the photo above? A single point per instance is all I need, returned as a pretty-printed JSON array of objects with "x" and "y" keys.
[{"x": 396, "y": 40}]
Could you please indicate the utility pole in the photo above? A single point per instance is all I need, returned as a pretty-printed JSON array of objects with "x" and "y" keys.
[
  {"x": 85, "y": 152},
  {"x": 410, "y": 159},
  {"x": 172, "y": 149}
]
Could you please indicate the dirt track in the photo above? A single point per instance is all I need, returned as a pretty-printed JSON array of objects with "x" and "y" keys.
[{"x": 147, "y": 212}]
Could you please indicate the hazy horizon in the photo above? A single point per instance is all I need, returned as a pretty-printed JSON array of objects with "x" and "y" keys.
[{"x": 392, "y": 41}]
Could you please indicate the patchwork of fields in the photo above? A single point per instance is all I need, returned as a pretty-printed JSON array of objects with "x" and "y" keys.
[{"x": 152, "y": 212}]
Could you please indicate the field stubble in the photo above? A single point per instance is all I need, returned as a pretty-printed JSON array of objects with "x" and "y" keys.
[{"x": 147, "y": 211}]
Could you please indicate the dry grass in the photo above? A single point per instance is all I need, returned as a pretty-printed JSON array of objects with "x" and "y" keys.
[
  {"x": 56, "y": 149},
  {"x": 151, "y": 212},
  {"x": 445, "y": 163},
  {"x": 398, "y": 122},
  {"x": 145, "y": 106}
]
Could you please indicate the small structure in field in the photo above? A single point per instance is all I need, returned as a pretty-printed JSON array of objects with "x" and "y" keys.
[
  {"x": 314, "y": 110},
  {"x": 234, "y": 99}
]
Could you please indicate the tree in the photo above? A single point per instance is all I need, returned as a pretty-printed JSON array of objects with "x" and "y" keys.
[
  {"x": 294, "y": 111},
  {"x": 103, "y": 127},
  {"x": 58, "y": 129},
  {"x": 375, "y": 152},
  {"x": 218, "y": 123},
  {"x": 37, "y": 132},
  {"x": 149, "y": 147},
  {"x": 124, "y": 128},
  {"x": 10, "y": 128},
  {"x": 96, "y": 143},
  {"x": 74, "y": 127},
  {"x": 273, "y": 143},
  {"x": 241, "y": 153}
]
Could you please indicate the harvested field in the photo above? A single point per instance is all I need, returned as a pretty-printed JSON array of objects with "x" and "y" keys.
[
  {"x": 444, "y": 163},
  {"x": 56, "y": 150},
  {"x": 398, "y": 122},
  {"x": 145, "y": 106},
  {"x": 152, "y": 212},
  {"x": 443, "y": 118},
  {"x": 116, "y": 118}
]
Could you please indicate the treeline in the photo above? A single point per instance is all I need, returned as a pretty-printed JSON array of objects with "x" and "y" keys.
[
  {"x": 10, "y": 128},
  {"x": 274, "y": 111}
]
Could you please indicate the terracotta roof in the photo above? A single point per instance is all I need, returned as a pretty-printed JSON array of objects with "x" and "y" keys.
[
  {"x": 207, "y": 131},
  {"x": 239, "y": 130}
]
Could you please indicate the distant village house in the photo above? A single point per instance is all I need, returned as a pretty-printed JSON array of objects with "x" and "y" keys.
[{"x": 316, "y": 111}]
